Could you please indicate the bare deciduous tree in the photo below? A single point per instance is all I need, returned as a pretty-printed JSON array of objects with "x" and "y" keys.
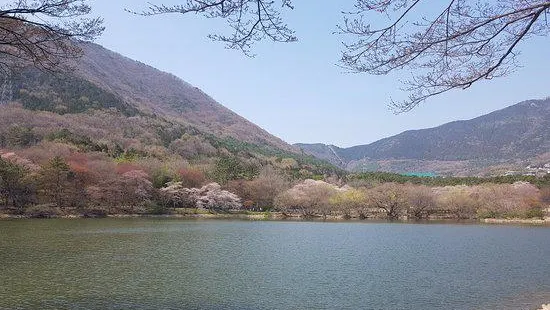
[
  {"x": 266, "y": 187},
  {"x": 458, "y": 201},
  {"x": 389, "y": 197},
  {"x": 250, "y": 20},
  {"x": 309, "y": 197},
  {"x": 421, "y": 201},
  {"x": 39, "y": 32}
]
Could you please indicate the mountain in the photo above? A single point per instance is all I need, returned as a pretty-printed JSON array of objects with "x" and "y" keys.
[
  {"x": 117, "y": 106},
  {"x": 512, "y": 135},
  {"x": 167, "y": 95}
]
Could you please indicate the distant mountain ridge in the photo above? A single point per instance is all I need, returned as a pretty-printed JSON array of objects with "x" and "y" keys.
[{"x": 513, "y": 133}]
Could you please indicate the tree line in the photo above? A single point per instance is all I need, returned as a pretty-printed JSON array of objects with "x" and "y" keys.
[
  {"x": 395, "y": 201},
  {"x": 89, "y": 184},
  {"x": 384, "y": 177}
]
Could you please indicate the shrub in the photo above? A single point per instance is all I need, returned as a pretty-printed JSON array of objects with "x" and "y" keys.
[
  {"x": 155, "y": 208},
  {"x": 43, "y": 211},
  {"x": 534, "y": 213},
  {"x": 349, "y": 200},
  {"x": 161, "y": 177},
  {"x": 94, "y": 212}
]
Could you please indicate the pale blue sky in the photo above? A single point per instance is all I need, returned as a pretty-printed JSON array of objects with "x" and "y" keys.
[{"x": 295, "y": 91}]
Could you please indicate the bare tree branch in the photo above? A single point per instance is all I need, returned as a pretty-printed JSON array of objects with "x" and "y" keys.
[
  {"x": 250, "y": 20},
  {"x": 41, "y": 33},
  {"x": 466, "y": 42},
  {"x": 458, "y": 44}
]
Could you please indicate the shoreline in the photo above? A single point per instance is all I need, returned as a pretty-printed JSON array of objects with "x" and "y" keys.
[
  {"x": 278, "y": 216},
  {"x": 545, "y": 221}
]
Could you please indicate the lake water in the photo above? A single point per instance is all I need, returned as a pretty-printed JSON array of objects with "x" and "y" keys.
[{"x": 182, "y": 264}]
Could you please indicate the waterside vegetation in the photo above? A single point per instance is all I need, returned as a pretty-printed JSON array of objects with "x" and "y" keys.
[{"x": 93, "y": 184}]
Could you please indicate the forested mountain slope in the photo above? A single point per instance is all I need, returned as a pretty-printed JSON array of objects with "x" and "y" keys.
[
  {"x": 514, "y": 133},
  {"x": 127, "y": 110},
  {"x": 167, "y": 95}
]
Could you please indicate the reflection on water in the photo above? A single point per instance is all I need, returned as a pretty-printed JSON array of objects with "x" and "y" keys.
[{"x": 174, "y": 264}]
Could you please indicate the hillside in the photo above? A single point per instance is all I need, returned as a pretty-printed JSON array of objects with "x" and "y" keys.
[
  {"x": 129, "y": 111},
  {"x": 169, "y": 96},
  {"x": 513, "y": 134}
]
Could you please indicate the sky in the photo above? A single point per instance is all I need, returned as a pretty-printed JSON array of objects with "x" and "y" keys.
[{"x": 296, "y": 91}]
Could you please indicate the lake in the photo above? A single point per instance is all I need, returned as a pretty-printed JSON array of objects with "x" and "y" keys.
[{"x": 152, "y": 263}]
